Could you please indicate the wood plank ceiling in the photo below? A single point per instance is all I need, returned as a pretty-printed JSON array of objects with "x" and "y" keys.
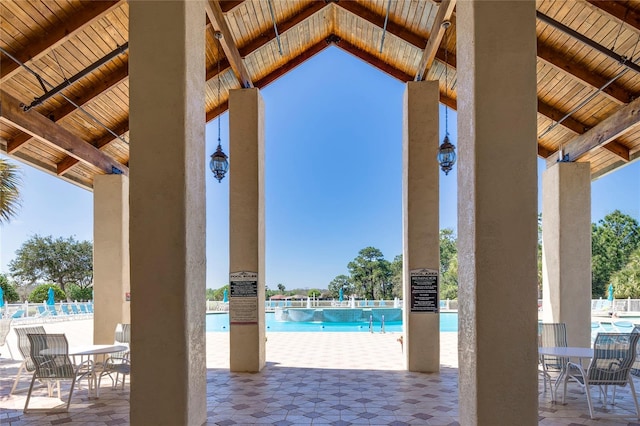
[{"x": 75, "y": 79}]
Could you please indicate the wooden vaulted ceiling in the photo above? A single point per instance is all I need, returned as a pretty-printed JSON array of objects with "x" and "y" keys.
[{"x": 77, "y": 55}]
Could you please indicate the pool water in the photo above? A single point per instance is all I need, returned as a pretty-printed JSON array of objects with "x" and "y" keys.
[{"x": 220, "y": 322}]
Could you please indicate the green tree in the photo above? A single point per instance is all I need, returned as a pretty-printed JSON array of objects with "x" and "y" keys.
[
  {"x": 314, "y": 292},
  {"x": 82, "y": 294},
  {"x": 10, "y": 181},
  {"x": 10, "y": 293},
  {"x": 448, "y": 264},
  {"x": 626, "y": 282},
  {"x": 341, "y": 282},
  {"x": 281, "y": 288},
  {"x": 371, "y": 274},
  {"x": 61, "y": 260},
  {"x": 613, "y": 239},
  {"x": 396, "y": 276},
  {"x": 41, "y": 293}
]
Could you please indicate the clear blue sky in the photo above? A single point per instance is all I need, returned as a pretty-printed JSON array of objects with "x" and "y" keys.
[{"x": 333, "y": 179}]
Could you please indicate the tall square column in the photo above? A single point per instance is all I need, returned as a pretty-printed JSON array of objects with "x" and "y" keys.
[
  {"x": 420, "y": 218},
  {"x": 497, "y": 212},
  {"x": 246, "y": 231},
  {"x": 167, "y": 176},
  {"x": 566, "y": 249},
  {"x": 110, "y": 256}
]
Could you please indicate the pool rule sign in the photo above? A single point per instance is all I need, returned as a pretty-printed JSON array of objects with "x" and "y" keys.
[
  {"x": 424, "y": 290},
  {"x": 243, "y": 300}
]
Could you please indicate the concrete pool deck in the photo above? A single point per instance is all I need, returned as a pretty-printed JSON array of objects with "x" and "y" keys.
[{"x": 310, "y": 379}]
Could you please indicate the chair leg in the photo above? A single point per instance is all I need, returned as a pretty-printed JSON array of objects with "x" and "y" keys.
[
  {"x": 73, "y": 385},
  {"x": 635, "y": 397},
  {"x": 586, "y": 388},
  {"x": 15, "y": 383},
  {"x": 26, "y": 404}
]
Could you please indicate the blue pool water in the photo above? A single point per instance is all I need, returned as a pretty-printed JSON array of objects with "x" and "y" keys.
[{"x": 220, "y": 322}]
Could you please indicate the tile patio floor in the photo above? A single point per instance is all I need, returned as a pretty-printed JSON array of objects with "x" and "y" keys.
[{"x": 310, "y": 379}]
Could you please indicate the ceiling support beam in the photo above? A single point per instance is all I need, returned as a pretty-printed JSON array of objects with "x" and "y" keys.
[
  {"x": 68, "y": 162},
  {"x": 438, "y": 29},
  {"x": 114, "y": 78},
  {"x": 54, "y": 37},
  {"x": 624, "y": 120},
  {"x": 215, "y": 15},
  {"x": 555, "y": 115},
  {"x": 559, "y": 60},
  {"x": 618, "y": 10},
  {"x": 229, "y": 5},
  {"x": 57, "y": 136},
  {"x": 587, "y": 41}
]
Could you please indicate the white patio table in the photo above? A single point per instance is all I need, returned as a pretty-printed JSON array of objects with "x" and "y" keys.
[{"x": 564, "y": 352}]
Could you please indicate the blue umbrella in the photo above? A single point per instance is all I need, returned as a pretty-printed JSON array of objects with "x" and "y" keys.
[
  {"x": 225, "y": 296},
  {"x": 1, "y": 298},
  {"x": 51, "y": 300},
  {"x": 611, "y": 292},
  {"x": 340, "y": 295}
]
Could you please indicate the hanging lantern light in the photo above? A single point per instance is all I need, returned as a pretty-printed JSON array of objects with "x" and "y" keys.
[
  {"x": 446, "y": 155},
  {"x": 219, "y": 164}
]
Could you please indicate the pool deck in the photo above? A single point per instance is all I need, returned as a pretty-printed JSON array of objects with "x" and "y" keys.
[{"x": 310, "y": 379}]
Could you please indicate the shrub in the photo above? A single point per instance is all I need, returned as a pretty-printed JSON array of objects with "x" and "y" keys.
[
  {"x": 76, "y": 292},
  {"x": 41, "y": 293},
  {"x": 10, "y": 293}
]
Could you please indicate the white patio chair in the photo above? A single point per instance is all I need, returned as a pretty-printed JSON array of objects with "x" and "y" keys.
[
  {"x": 613, "y": 357},
  {"x": 118, "y": 363},
  {"x": 50, "y": 355},
  {"x": 24, "y": 347},
  {"x": 552, "y": 335},
  {"x": 5, "y": 328}
]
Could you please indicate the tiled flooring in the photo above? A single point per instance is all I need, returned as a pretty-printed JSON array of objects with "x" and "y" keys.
[{"x": 310, "y": 379}]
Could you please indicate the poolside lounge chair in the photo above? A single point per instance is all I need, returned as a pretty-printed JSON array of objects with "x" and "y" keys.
[
  {"x": 25, "y": 350},
  {"x": 18, "y": 314},
  {"x": 65, "y": 309},
  {"x": 42, "y": 312},
  {"x": 552, "y": 335},
  {"x": 50, "y": 355},
  {"x": 5, "y": 328},
  {"x": 75, "y": 310},
  {"x": 613, "y": 357}
]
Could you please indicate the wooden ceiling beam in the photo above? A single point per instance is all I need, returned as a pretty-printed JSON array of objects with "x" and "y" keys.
[
  {"x": 373, "y": 60},
  {"x": 624, "y": 120},
  {"x": 284, "y": 26},
  {"x": 54, "y": 37},
  {"x": 228, "y": 45},
  {"x": 229, "y": 5},
  {"x": 114, "y": 78},
  {"x": 438, "y": 29},
  {"x": 555, "y": 115},
  {"x": 68, "y": 162},
  {"x": 618, "y": 10},
  {"x": 57, "y": 136},
  {"x": 558, "y": 59},
  {"x": 618, "y": 150}
]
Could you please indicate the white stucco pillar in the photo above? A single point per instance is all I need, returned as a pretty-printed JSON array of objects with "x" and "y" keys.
[
  {"x": 246, "y": 231},
  {"x": 566, "y": 249},
  {"x": 167, "y": 201},
  {"x": 110, "y": 255},
  {"x": 497, "y": 212},
  {"x": 420, "y": 217}
]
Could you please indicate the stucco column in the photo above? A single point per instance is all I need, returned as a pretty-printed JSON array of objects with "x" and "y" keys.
[
  {"x": 167, "y": 182},
  {"x": 246, "y": 231},
  {"x": 566, "y": 249},
  {"x": 420, "y": 217},
  {"x": 110, "y": 255},
  {"x": 497, "y": 211}
]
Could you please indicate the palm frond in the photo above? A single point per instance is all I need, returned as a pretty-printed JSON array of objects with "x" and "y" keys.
[{"x": 10, "y": 181}]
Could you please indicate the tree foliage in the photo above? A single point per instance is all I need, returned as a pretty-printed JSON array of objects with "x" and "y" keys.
[
  {"x": 613, "y": 239},
  {"x": 10, "y": 293},
  {"x": 41, "y": 293},
  {"x": 448, "y": 264},
  {"x": 626, "y": 281},
  {"x": 371, "y": 274},
  {"x": 341, "y": 282},
  {"x": 61, "y": 261},
  {"x": 397, "y": 277},
  {"x": 10, "y": 181}
]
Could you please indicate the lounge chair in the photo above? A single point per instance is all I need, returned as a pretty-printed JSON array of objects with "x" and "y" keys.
[
  {"x": 42, "y": 312},
  {"x": 5, "y": 328},
  {"x": 18, "y": 314},
  {"x": 50, "y": 355},
  {"x": 65, "y": 310},
  {"x": 75, "y": 309},
  {"x": 613, "y": 357}
]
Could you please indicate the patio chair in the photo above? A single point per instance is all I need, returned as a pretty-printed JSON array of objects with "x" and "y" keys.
[
  {"x": 118, "y": 363},
  {"x": 18, "y": 314},
  {"x": 5, "y": 328},
  {"x": 75, "y": 310},
  {"x": 65, "y": 310},
  {"x": 42, "y": 312},
  {"x": 24, "y": 347},
  {"x": 50, "y": 355},
  {"x": 613, "y": 357},
  {"x": 552, "y": 335}
]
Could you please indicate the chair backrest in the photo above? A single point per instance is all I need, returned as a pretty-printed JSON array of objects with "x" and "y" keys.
[
  {"x": 613, "y": 357},
  {"x": 75, "y": 310},
  {"x": 50, "y": 354},
  {"x": 24, "y": 346},
  {"x": 65, "y": 309},
  {"x": 123, "y": 333},
  {"x": 552, "y": 334},
  {"x": 18, "y": 314},
  {"x": 5, "y": 328}
]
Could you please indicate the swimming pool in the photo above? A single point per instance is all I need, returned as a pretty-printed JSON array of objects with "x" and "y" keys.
[{"x": 219, "y": 322}]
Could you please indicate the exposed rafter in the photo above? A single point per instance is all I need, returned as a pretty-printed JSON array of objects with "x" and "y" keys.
[
  {"x": 91, "y": 12},
  {"x": 228, "y": 45},
  {"x": 620, "y": 11},
  {"x": 115, "y": 77},
  {"x": 52, "y": 134},
  {"x": 229, "y": 5},
  {"x": 445, "y": 10},
  {"x": 623, "y": 121}
]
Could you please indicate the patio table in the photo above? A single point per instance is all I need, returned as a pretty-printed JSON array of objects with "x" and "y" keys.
[{"x": 564, "y": 352}]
